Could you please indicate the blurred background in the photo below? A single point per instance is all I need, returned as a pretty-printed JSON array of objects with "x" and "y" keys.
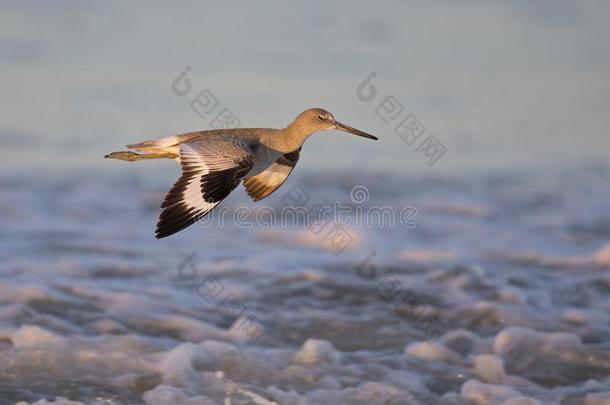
[
  {"x": 506, "y": 250},
  {"x": 502, "y": 84}
]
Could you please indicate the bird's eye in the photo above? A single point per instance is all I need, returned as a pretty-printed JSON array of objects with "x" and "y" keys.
[{"x": 321, "y": 117}]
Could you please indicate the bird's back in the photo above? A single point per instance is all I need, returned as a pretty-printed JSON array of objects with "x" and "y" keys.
[{"x": 172, "y": 143}]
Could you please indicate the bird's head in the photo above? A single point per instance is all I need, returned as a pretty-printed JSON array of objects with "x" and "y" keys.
[{"x": 318, "y": 119}]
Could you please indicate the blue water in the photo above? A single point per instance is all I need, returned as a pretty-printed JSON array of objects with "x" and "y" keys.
[
  {"x": 451, "y": 304},
  {"x": 479, "y": 275}
]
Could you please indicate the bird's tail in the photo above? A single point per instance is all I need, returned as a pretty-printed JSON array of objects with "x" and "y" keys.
[
  {"x": 164, "y": 148},
  {"x": 133, "y": 156}
]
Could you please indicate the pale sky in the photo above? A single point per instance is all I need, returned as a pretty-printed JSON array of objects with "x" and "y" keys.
[{"x": 500, "y": 84}]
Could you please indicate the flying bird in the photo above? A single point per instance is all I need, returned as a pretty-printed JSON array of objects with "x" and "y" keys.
[{"x": 214, "y": 162}]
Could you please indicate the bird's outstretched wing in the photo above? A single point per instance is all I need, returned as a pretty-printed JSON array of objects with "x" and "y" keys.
[
  {"x": 265, "y": 183},
  {"x": 211, "y": 168}
]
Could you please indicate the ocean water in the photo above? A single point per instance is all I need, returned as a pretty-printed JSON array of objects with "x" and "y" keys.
[
  {"x": 486, "y": 289},
  {"x": 371, "y": 276}
]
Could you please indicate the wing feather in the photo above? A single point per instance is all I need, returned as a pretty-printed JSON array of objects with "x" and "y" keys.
[
  {"x": 264, "y": 184},
  {"x": 211, "y": 168}
]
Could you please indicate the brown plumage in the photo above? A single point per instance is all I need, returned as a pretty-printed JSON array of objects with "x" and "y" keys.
[{"x": 215, "y": 162}]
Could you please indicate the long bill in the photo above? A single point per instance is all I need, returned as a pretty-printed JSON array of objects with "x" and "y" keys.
[{"x": 342, "y": 127}]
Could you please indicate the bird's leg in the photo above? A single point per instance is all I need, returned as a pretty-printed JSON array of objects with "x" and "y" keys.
[{"x": 132, "y": 156}]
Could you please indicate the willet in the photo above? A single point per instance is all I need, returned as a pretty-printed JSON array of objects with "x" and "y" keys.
[{"x": 215, "y": 162}]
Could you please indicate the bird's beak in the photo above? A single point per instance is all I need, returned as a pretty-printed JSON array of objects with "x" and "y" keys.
[{"x": 347, "y": 128}]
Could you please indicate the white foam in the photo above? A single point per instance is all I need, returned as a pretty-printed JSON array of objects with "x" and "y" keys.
[
  {"x": 188, "y": 328},
  {"x": 432, "y": 351},
  {"x": 317, "y": 351},
  {"x": 169, "y": 395},
  {"x": 366, "y": 393},
  {"x": 598, "y": 398},
  {"x": 602, "y": 256},
  {"x": 178, "y": 365},
  {"x": 522, "y": 401},
  {"x": 98, "y": 307},
  {"x": 484, "y": 394},
  {"x": 490, "y": 368},
  {"x": 429, "y": 255},
  {"x": 518, "y": 337},
  {"x": 57, "y": 401},
  {"x": 31, "y": 335}
]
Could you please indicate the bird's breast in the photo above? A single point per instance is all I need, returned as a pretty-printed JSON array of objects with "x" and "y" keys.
[{"x": 263, "y": 158}]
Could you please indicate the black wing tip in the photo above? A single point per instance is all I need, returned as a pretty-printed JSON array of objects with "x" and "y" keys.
[
  {"x": 160, "y": 234},
  {"x": 177, "y": 218},
  {"x": 172, "y": 222},
  {"x": 215, "y": 186},
  {"x": 164, "y": 230}
]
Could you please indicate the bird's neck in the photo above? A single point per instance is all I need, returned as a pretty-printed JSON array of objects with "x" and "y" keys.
[{"x": 288, "y": 139}]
